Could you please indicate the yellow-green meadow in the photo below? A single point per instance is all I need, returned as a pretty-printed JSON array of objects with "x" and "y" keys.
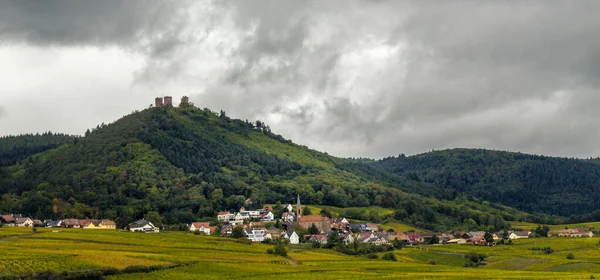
[{"x": 24, "y": 253}]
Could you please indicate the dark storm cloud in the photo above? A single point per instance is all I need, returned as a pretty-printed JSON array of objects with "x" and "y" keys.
[
  {"x": 85, "y": 22},
  {"x": 359, "y": 78}
]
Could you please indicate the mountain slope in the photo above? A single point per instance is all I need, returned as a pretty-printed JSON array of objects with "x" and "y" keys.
[
  {"x": 181, "y": 164},
  {"x": 558, "y": 186}
]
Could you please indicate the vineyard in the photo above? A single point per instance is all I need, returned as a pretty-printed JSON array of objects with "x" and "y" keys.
[{"x": 179, "y": 255}]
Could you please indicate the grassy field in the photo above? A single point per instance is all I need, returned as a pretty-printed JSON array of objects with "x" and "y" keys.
[
  {"x": 220, "y": 258},
  {"x": 526, "y": 225}
]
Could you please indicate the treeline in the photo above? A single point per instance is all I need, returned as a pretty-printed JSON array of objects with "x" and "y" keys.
[{"x": 536, "y": 184}]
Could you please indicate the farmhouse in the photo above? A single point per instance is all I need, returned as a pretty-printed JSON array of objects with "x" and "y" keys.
[
  {"x": 24, "y": 222},
  {"x": 8, "y": 220},
  {"x": 142, "y": 226},
  {"x": 203, "y": 227},
  {"x": 70, "y": 223},
  {"x": 457, "y": 241},
  {"x": 108, "y": 224}
]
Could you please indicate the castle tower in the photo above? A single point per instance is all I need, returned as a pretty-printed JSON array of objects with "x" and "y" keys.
[
  {"x": 168, "y": 101},
  {"x": 158, "y": 102},
  {"x": 298, "y": 208},
  {"x": 184, "y": 101}
]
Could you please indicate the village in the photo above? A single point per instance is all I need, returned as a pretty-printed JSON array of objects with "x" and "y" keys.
[{"x": 261, "y": 225}]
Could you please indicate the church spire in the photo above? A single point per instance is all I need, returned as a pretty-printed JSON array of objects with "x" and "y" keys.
[{"x": 298, "y": 207}]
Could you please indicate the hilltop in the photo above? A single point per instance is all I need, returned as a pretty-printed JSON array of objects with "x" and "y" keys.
[
  {"x": 531, "y": 183},
  {"x": 179, "y": 164}
]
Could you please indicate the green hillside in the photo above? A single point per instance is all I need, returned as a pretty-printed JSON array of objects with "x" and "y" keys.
[
  {"x": 177, "y": 165},
  {"x": 559, "y": 186}
]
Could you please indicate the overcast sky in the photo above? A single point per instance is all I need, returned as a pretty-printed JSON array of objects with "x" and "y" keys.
[{"x": 352, "y": 78}]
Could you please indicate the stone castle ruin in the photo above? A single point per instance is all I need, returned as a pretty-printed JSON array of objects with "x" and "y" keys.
[{"x": 168, "y": 101}]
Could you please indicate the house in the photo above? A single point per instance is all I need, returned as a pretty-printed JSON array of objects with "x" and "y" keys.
[
  {"x": 322, "y": 223},
  {"x": 91, "y": 224},
  {"x": 478, "y": 240},
  {"x": 226, "y": 229},
  {"x": 365, "y": 237},
  {"x": 340, "y": 224},
  {"x": 289, "y": 207},
  {"x": 84, "y": 223},
  {"x": 108, "y": 224},
  {"x": 292, "y": 236},
  {"x": 397, "y": 236},
  {"x": 347, "y": 238},
  {"x": 255, "y": 234},
  {"x": 38, "y": 223},
  {"x": 203, "y": 227},
  {"x": 267, "y": 216},
  {"x": 321, "y": 238},
  {"x": 288, "y": 217},
  {"x": 457, "y": 241},
  {"x": 379, "y": 240},
  {"x": 224, "y": 216},
  {"x": 519, "y": 235},
  {"x": 356, "y": 228},
  {"x": 267, "y": 208},
  {"x": 70, "y": 223},
  {"x": 373, "y": 227},
  {"x": 414, "y": 237},
  {"x": 24, "y": 222},
  {"x": 274, "y": 232},
  {"x": 52, "y": 224},
  {"x": 142, "y": 226},
  {"x": 8, "y": 220}
]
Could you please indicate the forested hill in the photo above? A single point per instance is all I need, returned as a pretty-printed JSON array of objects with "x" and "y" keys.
[
  {"x": 531, "y": 183},
  {"x": 181, "y": 164}
]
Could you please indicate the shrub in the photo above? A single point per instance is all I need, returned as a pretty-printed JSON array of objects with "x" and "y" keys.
[
  {"x": 270, "y": 251},
  {"x": 389, "y": 257},
  {"x": 570, "y": 256},
  {"x": 196, "y": 232},
  {"x": 432, "y": 262},
  {"x": 34, "y": 229},
  {"x": 372, "y": 256},
  {"x": 316, "y": 245},
  {"x": 280, "y": 250}
]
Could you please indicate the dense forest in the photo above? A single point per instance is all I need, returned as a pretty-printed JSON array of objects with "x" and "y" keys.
[
  {"x": 560, "y": 186},
  {"x": 177, "y": 165},
  {"x": 15, "y": 148}
]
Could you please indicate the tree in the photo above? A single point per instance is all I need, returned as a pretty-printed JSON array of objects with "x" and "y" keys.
[
  {"x": 434, "y": 239},
  {"x": 306, "y": 211},
  {"x": 313, "y": 229},
  {"x": 237, "y": 232},
  {"x": 154, "y": 218},
  {"x": 489, "y": 238},
  {"x": 325, "y": 212},
  {"x": 333, "y": 239}
]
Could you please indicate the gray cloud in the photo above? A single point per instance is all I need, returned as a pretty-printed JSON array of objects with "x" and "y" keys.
[{"x": 358, "y": 78}]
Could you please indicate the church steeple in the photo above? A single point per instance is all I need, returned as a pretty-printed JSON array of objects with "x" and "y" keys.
[{"x": 298, "y": 207}]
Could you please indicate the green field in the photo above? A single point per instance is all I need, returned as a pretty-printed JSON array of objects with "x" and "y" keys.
[
  {"x": 525, "y": 225},
  {"x": 24, "y": 253}
]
